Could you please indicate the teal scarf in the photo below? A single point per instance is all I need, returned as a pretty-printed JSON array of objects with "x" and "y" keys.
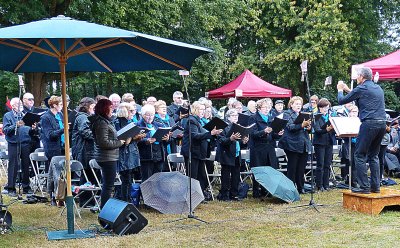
[{"x": 61, "y": 124}]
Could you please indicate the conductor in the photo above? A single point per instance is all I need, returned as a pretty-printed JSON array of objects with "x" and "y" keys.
[{"x": 370, "y": 100}]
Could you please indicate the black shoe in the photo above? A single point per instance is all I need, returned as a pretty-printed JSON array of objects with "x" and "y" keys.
[
  {"x": 301, "y": 191},
  {"x": 376, "y": 190},
  {"x": 235, "y": 198},
  {"x": 12, "y": 193},
  {"x": 360, "y": 191},
  {"x": 27, "y": 191}
]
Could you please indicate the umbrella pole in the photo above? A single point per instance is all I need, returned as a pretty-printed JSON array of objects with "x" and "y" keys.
[{"x": 69, "y": 200}]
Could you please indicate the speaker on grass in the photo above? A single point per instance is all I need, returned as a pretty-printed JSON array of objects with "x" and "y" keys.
[{"x": 121, "y": 217}]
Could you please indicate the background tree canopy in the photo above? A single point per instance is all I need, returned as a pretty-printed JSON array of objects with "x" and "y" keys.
[{"x": 269, "y": 37}]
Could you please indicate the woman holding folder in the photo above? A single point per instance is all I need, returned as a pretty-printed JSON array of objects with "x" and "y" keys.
[
  {"x": 197, "y": 143},
  {"x": 324, "y": 138},
  {"x": 152, "y": 152},
  {"x": 129, "y": 159},
  {"x": 262, "y": 140},
  {"x": 296, "y": 143},
  {"x": 228, "y": 155}
]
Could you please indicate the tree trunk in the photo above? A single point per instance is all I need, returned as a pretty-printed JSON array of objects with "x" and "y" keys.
[{"x": 36, "y": 84}]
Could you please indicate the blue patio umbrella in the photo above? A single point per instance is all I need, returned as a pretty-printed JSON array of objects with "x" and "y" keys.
[
  {"x": 276, "y": 183},
  {"x": 62, "y": 44}
]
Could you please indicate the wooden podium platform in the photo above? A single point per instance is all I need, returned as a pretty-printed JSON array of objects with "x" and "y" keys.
[{"x": 371, "y": 203}]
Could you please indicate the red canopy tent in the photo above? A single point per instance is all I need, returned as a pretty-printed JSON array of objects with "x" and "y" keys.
[
  {"x": 387, "y": 66},
  {"x": 250, "y": 86}
]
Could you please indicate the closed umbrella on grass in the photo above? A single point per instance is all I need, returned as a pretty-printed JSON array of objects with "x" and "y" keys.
[
  {"x": 168, "y": 192},
  {"x": 276, "y": 183}
]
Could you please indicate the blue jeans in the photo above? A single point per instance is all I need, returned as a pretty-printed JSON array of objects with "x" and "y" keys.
[
  {"x": 367, "y": 149},
  {"x": 109, "y": 171}
]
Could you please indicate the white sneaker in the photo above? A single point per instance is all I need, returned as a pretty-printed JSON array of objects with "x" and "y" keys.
[{"x": 4, "y": 192}]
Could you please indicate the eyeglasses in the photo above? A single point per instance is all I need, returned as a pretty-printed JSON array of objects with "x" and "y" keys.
[
  {"x": 132, "y": 110},
  {"x": 313, "y": 102},
  {"x": 31, "y": 99},
  {"x": 149, "y": 115}
]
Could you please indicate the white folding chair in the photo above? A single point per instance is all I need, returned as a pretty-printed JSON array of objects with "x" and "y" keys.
[
  {"x": 39, "y": 181},
  {"x": 245, "y": 155},
  {"x": 216, "y": 175},
  {"x": 3, "y": 163},
  {"x": 179, "y": 160}
]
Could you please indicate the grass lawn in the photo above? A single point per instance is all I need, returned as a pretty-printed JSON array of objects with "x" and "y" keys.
[{"x": 250, "y": 223}]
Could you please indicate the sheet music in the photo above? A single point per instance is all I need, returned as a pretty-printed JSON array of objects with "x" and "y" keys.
[{"x": 346, "y": 126}]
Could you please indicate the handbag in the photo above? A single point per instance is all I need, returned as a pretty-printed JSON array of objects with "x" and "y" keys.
[{"x": 61, "y": 190}]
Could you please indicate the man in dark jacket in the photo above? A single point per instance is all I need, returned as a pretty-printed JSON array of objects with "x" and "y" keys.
[
  {"x": 18, "y": 137},
  {"x": 173, "y": 108},
  {"x": 370, "y": 100}
]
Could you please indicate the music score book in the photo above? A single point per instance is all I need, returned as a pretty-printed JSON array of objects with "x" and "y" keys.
[
  {"x": 244, "y": 131},
  {"x": 130, "y": 131},
  {"x": 215, "y": 122},
  {"x": 346, "y": 126}
]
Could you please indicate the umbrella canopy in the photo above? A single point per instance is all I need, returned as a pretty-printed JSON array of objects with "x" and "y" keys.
[
  {"x": 387, "y": 66},
  {"x": 248, "y": 85},
  {"x": 63, "y": 44},
  {"x": 168, "y": 192},
  {"x": 276, "y": 183}
]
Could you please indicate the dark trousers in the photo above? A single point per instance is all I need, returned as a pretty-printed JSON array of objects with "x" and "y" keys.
[
  {"x": 367, "y": 149},
  {"x": 126, "y": 182},
  {"x": 13, "y": 165},
  {"x": 148, "y": 168},
  {"x": 323, "y": 155},
  {"x": 381, "y": 156},
  {"x": 197, "y": 171},
  {"x": 230, "y": 178},
  {"x": 108, "y": 170},
  {"x": 295, "y": 167}
]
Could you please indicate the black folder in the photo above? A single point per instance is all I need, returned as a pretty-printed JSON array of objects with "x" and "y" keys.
[
  {"x": 130, "y": 131},
  {"x": 326, "y": 124},
  {"x": 302, "y": 117},
  {"x": 243, "y": 119},
  {"x": 278, "y": 124},
  {"x": 30, "y": 118},
  {"x": 244, "y": 131},
  {"x": 182, "y": 111},
  {"x": 215, "y": 122},
  {"x": 160, "y": 133}
]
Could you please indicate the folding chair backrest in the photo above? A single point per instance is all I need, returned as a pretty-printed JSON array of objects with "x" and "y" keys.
[
  {"x": 175, "y": 158},
  {"x": 3, "y": 155},
  {"x": 95, "y": 166},
  {"x": 279, "y": 152},
  {"x": 40, "y": 149},
  {"x": 34, "y": 156},
  {"x": 245, "y": 154}
]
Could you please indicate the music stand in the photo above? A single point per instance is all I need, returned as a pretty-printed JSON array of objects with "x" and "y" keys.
[{"x": 346, "y": 127}]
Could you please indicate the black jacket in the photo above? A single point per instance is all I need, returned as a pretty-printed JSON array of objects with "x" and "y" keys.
[
  {"x": 128, "y": 154},
  {"x": 150, "y": 152},
  {"x": 321, "y": 136},
  {"x": 226, "y": 148},
  {"x": 105, "y": 137},
  {"x": 199, "y": 136},
  {"x": 295, "y": 138},
  {"x": 51, "y": 133},
  {"x": 261, "y": 144},
  {"x": 82, "y": 139}
]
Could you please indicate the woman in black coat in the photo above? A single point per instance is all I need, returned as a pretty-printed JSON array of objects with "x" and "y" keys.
[
  {"x": 296, "y": 143},
  {"x": 323, "y": 141},
  {"x": 106, "y": 150},
  {"x": 52, "y": 129},
  {"x": 228, "y": 155},
  {"x": 199, "y": 144},
  {"x": 152, "y": 153},
  {"x": 262, "y": 140}
]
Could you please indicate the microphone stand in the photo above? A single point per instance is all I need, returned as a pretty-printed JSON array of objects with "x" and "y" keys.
[
  {"x": 17, "y": 133},
  {"x": 312, "y": 202},
  {"x": 189, "y": 167}
]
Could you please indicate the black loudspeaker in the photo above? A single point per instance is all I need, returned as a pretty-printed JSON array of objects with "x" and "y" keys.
[{"x": 121, "y": 217}]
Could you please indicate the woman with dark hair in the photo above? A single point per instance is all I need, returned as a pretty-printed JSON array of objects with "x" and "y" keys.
[
  {"x": 152, "y": 153},
  {"x": 83, "y": 141},
  {"x": 129, "y": 158},
  {"x": 52, "y": 129},
  {"x": 106, "y": 150},
  {"x": 324, "y": 138},
  {"x": 296, "y": 143}
]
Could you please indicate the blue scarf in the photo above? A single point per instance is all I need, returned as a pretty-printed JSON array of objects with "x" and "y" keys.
[
  {"x": 204, "y": 121},
  {"x": 165, "y": 122},
  {"x": 61, "y": 124},
  {"x": 152, "y": 131},
  {"x": 326, "y": 117},
  {"x": 264, "y": 117},
  {"x": 237, "y": 148}
]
